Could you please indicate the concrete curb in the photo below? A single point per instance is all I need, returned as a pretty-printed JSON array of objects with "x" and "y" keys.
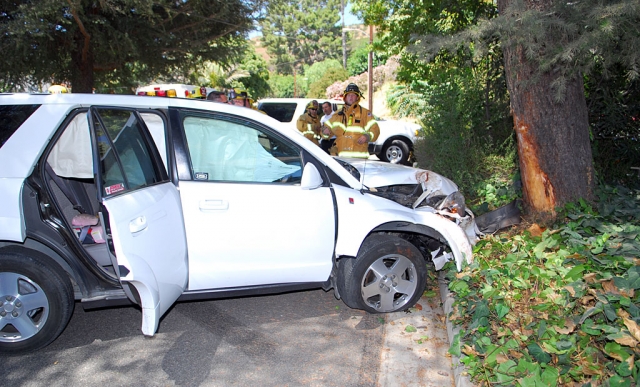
[
  {"x": 414, "y": 352},
  {"x": 461, "y": 379}
]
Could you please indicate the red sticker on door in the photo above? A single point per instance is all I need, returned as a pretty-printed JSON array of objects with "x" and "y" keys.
[{"x": 114, "y": 188}]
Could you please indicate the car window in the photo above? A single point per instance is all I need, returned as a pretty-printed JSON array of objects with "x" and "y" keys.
[
  {"x": 281, "y": 111},
  {"x": 11, "y": 117},
  {"x": 126, "y": 157},
  {"x": 225, "y": 150},
  {"x": 156, "y": 126},
  {"x": 71, "y": 156}
]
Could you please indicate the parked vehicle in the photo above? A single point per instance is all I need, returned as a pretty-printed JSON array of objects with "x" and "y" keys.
[
  {"x": 394, "y": 145},
  {"x": 174, "y": 90},
  {"x": 111, "y": 199}
]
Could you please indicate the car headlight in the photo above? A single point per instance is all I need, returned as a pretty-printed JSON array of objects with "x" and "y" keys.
[{"x": 453, "y": 204}]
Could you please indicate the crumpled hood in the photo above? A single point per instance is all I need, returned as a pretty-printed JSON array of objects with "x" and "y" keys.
[{"x": 375, "y": 174}]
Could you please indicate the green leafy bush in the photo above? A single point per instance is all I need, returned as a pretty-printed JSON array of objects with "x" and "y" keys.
[
  {"x": 467, "y": 133},
  {"x": 559, "y": 306}
]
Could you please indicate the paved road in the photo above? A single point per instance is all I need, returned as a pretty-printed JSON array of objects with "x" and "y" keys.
[{"x": 297, "y": 339}]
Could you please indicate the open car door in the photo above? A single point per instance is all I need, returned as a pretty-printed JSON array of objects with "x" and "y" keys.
[{"x": 141, "y": 210}]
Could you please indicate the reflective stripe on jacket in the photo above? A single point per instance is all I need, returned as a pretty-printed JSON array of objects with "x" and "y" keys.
[
  {"x": 309, "y": 127},
  {"x": 348, "y": 125}
]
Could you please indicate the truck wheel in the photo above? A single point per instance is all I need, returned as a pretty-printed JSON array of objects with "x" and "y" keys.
[
  {"x": 395, "y": 152},
  {"x": 36, "y": 300},
  {"x": 389, "y": 275}
]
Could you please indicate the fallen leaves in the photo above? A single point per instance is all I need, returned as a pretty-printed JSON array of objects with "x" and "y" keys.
[
  {"x": 633, "y": 328},
  {"x": 570, "y": 326},
  {"x": 535, "y": 230},
  {"x": 410, "y": 329}
]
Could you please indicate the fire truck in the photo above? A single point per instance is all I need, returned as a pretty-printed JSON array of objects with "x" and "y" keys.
[{"x": 175, "y": 90}]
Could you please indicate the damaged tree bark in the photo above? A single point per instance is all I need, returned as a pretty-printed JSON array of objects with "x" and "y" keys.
[{"x": 556, "y": 163}]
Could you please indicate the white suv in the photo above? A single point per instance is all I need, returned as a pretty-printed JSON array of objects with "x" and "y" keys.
[
  {"x": 110, "y": 199},
  {"x": 394, "y": 144}
]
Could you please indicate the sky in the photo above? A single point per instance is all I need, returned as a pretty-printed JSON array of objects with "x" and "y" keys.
[{"x": 349, "y": 19}]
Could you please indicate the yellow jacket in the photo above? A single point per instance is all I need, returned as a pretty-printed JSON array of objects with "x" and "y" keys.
[
  {"x": 349, "y": 125},
  {"x": 310, "y": 127}
]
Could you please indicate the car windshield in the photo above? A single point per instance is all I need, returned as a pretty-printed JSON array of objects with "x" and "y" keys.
[{"x": 350, "y": 168}]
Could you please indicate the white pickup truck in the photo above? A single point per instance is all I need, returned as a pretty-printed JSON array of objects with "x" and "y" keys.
[{"x": 396, "y": 137}]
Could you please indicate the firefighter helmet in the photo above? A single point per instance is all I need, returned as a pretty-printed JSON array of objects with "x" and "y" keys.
[
  {"x": 312, "y": 105},
  {"x": 353, "y": 88}
]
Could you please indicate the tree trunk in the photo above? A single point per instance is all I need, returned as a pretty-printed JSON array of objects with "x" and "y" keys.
[
  {"x": 556, "y": 163},
  {"x": 82, "y": 79}
]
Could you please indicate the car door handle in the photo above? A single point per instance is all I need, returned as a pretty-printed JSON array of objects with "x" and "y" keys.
[
  {"x": 138, "y": 224},
  {"x": 214, "y": 205}
]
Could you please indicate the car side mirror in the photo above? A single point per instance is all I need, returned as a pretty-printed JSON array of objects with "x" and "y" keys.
[{"x": 311, "y": 178}]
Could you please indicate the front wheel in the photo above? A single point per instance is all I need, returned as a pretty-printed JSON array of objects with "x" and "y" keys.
[
  {"x": 36, "y": 300},
  {"x": 389, "y": 275},
  {"x": 395, "y": 152}
]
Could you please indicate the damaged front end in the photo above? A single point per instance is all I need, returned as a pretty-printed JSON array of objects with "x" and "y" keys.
[
  {"x": 434, "y": 193},
  {"x": 431, "y": 196}
]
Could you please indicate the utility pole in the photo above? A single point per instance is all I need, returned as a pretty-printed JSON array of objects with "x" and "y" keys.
[
  {"x": 295, "y": 88},
  {"x": 371, "y": 68},
  {"x": 344, "y": 39}
]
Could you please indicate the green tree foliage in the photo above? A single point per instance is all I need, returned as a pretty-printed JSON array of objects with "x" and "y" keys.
[
  {"x": 317, "y": 71},
  {"x": 614, "y": 118},
  {"x": 464, "y": 112},
  {"x": 257, "y": 81},
  {"x": 318, "y": 89},
  {"x": 214, "y": 75},
  {"x": 397, "y": 21},
  {"x": 281, "y": 86},
  {"x": 251, "y": 75},
  {"x": 301, "y": 32},
  {"x": 557, "y": 42},
  {"x": 460, "y": 98},
  {"x": 91, "y": 42},
  {"x": 571, "y": 38},
  {"x": 358, "y": 61}
]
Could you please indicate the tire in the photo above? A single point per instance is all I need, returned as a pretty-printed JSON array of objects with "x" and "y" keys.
[
  {"x": 36, "y": 300},
  {"x": 345, "y": 267},
  {"x": 395, "y": 152},
  {"x": 389, "y": 275}
]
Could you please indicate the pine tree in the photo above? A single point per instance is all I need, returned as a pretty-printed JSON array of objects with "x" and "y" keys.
[
  {"x": 302, "y": 32},
  {"x": 82, "y": 41}
]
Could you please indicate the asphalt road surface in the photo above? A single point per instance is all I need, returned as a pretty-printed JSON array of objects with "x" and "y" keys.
[{"x": 296, "y": 339}]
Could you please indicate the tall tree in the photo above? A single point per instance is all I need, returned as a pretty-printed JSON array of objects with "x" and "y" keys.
[
  {"x": 252, "y": 75},
  {"x": 84, "y": 40},
  {"x": 548, "y": 45},
  {"x": 556, "y": 163},
  {"x": 301, "y": 32}
]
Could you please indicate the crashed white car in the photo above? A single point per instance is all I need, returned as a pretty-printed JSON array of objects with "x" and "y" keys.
[{"x": 111, "y": 200}]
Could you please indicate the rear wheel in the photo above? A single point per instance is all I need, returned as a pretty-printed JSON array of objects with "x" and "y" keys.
[
  {"x": 395, "y": 152},
  {"x": 389, "y": 275},
  {"x": 36, "y": 300}
]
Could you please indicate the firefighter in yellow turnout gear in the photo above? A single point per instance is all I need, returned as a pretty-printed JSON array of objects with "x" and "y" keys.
[
  {"x": 353, "y": 126},
  {"x": 309, "y": 123}
]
